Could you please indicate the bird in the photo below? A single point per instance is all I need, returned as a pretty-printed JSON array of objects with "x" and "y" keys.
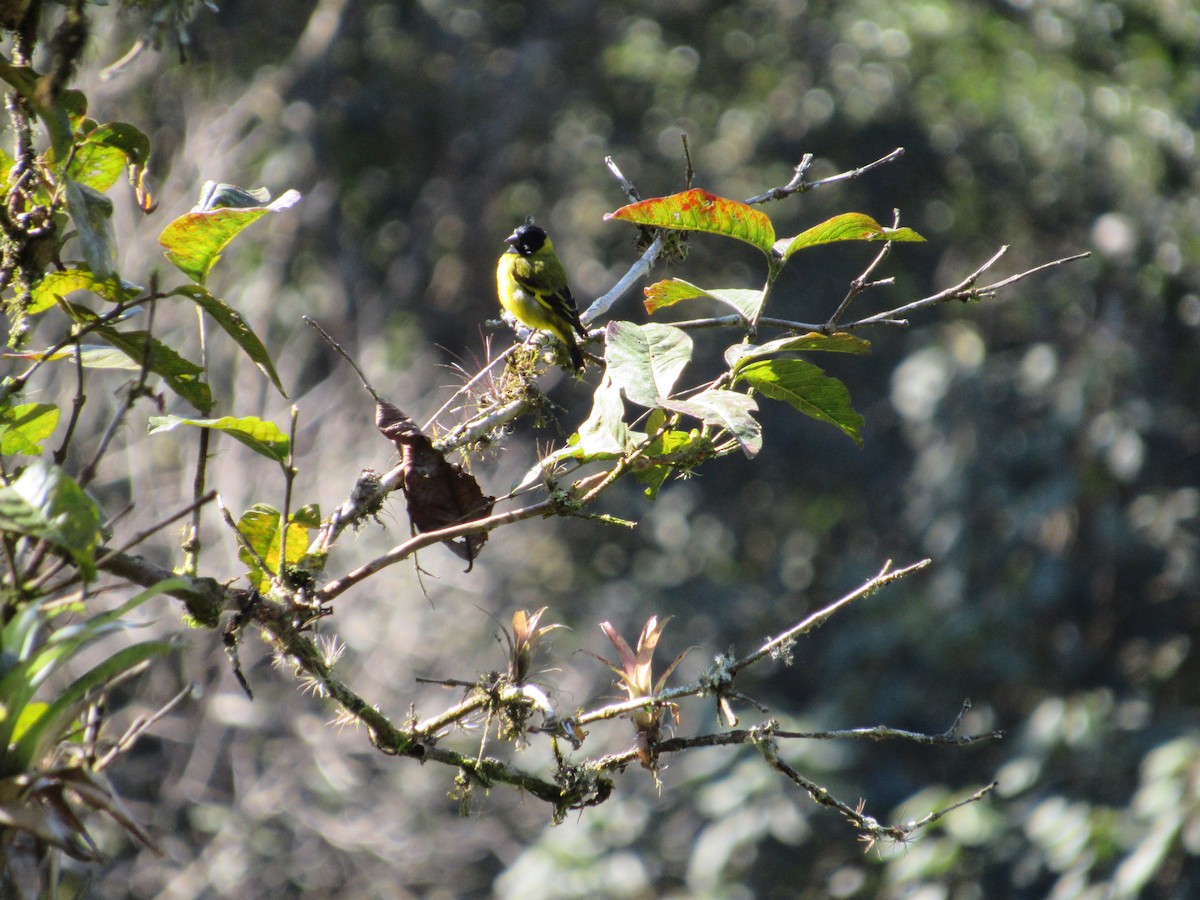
[{"x": 532, "y": 285}]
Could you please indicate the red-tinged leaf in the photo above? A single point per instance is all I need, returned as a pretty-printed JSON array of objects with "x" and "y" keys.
[
  {"x": 194, "y": 242},
  {"x": 698, "y": 210},
  {"x": 846, "y": 227}
]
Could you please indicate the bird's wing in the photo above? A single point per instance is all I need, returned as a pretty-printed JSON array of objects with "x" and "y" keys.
[{"x": 559, "y": 300}]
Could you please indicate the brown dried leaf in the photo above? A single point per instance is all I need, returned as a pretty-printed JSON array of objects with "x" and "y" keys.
[{"x": 439, "y": 494}]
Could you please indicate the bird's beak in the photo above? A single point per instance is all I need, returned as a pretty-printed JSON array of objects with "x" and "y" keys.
[{"x": 512, "y": 239}]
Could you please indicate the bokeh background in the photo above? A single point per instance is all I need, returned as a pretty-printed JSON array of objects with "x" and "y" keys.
[{"x": 1043, "y": 447}]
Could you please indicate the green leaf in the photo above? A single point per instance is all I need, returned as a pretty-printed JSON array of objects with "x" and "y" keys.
[
  {"x": 23, "y": 428},
  {"x": 604, "y": 435},
  {"x": 91, "y": 212},
  {"x": 57, "y": 285},
  {"x": 27, "y": 83},
  {"x": 671, "y": 451},
  {"x": 92, "y": 357},
  {"x": 127, "y": 138},
  {"x": 100, "y": 155},
  {"x": 309, "y": 515},
  {"x": 839, "y": 342},
  {"x": 194, "y": 242},
  {"x": 730, "y": 410},
  {"x": 698, "y": 210},
  {"x": 675, "y": 290},
  {"x": 45, "y": 502},
  {"x": 236, "y": 327},
  {"x": 181, "y": 375},
  {"x": 646, "y": 360},
  {"x": 845, "y": 227},
  {"x": 96, "y": 166},
  {"x": 261, "y": 526},
  {"x": 807, "y": 388},
  {"x": 260, "y": 435},
  {"x": 47, "y": 730}
]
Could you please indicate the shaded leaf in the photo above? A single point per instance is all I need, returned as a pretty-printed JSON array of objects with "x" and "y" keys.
[
  {"x": 45, "y": 502},
  {"x": 675, "y": 290},
  {"x": 43, "y": 734},
  {"x": 672, "y": 451},
  {"x": 806, "y": 387},
  {"x": 91, "y": 212},
  {"x": 236, "y": 327},
  {"x": 698, "y": 210},
  {"x": 181, "y": 375},
  {"x": 55, "y": 115},
  {"x": 439, "y": 494},
  {"x": 91, "y": 357},
  {"x": 839, "y": 342},
  {"x": 194, "y": 242},
  {"x": 730, "y": 410},
  {"x": 260, "y": 435},
  {"x": 646, "y": 360},
  {"x": 844, "y": 227},
  {"x": 23, "y": 428}
]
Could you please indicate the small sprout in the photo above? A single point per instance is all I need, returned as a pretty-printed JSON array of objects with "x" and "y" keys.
[
  {"x": 523, "y": 643},
  {"x": 637, "y": 680}
]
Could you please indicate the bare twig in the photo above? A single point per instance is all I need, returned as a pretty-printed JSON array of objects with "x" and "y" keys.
[
  {"x": 781, "y": 642},
  {"x": 799, "y": 186},
  {"x": 964, "y": 290}
]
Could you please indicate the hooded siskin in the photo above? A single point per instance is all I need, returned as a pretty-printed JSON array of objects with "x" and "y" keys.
[{"x": 532, "y": 285}]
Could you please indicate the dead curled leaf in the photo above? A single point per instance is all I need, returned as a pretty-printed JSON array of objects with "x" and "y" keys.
[{"x": 439, "y": 494}]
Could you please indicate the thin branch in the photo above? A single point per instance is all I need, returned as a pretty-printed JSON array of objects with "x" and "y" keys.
[
  {"x": 780, "y": 643},
  {"x": 799, "y": 186},
  {"x": 640, "y": 269},
  {"x": 964, "y": 290},
  {"x": 147, "y": 532},
  {"x": 427, "y": 539}
]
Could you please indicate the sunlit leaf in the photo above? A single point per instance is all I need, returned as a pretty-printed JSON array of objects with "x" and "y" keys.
[
  {"x": 646, "y": 360},
  {"x": 604, "y": 434},
  {"x": 194, "y": 242},
  {"x": 78, "y": 278},
  {"x": 260, "y": 435},
  {"x": 101, "y": 155},
  {"x": 667, "y": 453},
  {"x": 806, "y": 387},
  {"x": 845, "y": 227},
  {"x": 23, "y": 428},
  {"x": 236, "y": 327},
  {"x": 738, "y": 355},
  {"x": 45, "y": 502},
  {"x": 675, "y": 290},
  {"x": 262, "y": 527},
  {"x": 730, "y": 410},
  {"x": 698, "y": 210}
]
